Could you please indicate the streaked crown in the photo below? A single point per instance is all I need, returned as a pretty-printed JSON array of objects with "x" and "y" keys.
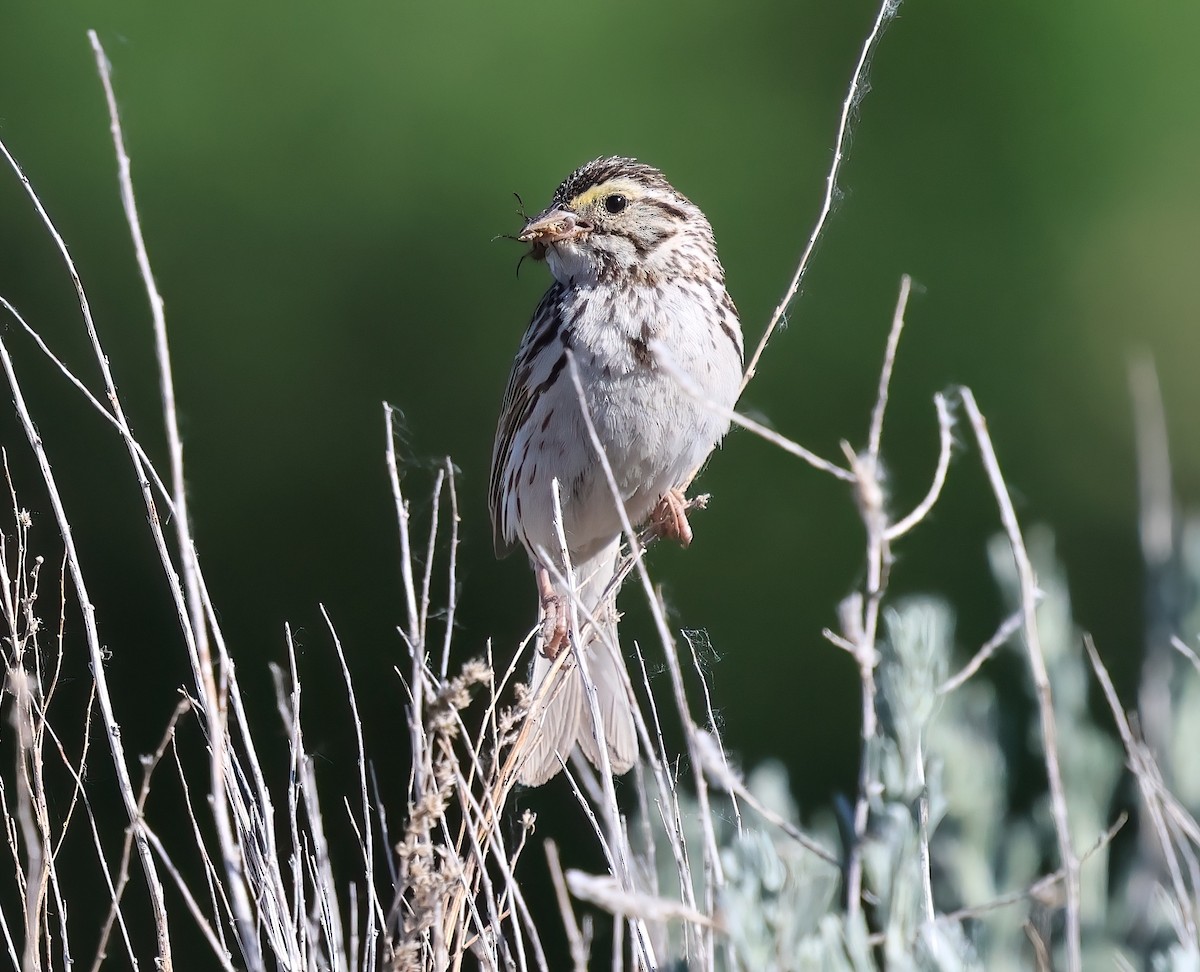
[{"x": 595, "y": 174}]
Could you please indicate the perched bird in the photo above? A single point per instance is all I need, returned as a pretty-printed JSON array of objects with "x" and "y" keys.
[{"x": 635, "y": 268}]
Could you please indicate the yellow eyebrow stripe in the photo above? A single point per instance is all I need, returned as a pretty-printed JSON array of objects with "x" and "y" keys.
[{"x": 585, "y": 199}]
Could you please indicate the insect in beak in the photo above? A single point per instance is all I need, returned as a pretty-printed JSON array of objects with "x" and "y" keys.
[{"x": 553, "y": 226}]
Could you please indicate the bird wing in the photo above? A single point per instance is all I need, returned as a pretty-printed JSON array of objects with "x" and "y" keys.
[{"x": 520, "y": 397}]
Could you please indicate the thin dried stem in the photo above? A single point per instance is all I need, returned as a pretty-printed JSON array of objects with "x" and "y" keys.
[
  {"x": 1008, "y": 627},
  {"x": 578, "y": 947},
  {"x": 435, "y": 510},
  {"x": 1145, "y": 771},
  {"x": 148, "y": 766},
  {"x": 187, "y": 549},
  {"x": 713, "y": 728},
  {"x": 408, "y": 584},
  {"x": 714, "y": 869},
  {"x": 112, "y": 730},
  {"x": 91, "y": 399},
  {"x": 1182, "y": 647},
  {"x": 841, "y": 144},
  {"x": 665, "y": 360},
  {"x": 451, "y": 567},
  {"x": 374, "y": 907},
  {"x": 718, "y": 769},
  {"x": 1039, "y": 890},
  {"x": 945, "y": 449},
  {"x": 875, "y": 434},
  {"x": 860, "y": 613},
  {"x": 1041, "y": 679}
]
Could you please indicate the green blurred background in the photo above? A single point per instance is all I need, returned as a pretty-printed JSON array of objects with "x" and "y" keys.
[{"x": 320, "y": 186}]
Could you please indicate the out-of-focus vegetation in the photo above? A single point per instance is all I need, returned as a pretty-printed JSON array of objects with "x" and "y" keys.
[{"x": 321, "y": 189}]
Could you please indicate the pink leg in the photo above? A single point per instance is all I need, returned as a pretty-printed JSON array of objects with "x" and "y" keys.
[
  {"x": 554, "y": 614},
  {"x": 669, "y": 518}
]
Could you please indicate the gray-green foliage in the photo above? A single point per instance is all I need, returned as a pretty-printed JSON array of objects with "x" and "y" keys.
[{"x": 942, "y": 769}]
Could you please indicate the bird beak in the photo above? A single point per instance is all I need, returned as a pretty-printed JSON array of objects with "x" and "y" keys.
[{"x": 554, "y": 226}]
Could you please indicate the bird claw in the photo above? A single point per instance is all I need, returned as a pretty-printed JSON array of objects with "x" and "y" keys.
[
  {"x": 554, "y": 625},
  {"x": 669, "y": 519}
]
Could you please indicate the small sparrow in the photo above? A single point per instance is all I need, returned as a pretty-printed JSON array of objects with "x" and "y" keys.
[{"x": 635, "y": 268}]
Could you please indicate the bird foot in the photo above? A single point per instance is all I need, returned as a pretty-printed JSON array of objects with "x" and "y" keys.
[
  {"x": 554, "y": 625},
  {"x": 555, "y": 616},
  {"x": 669, "y": 519}
]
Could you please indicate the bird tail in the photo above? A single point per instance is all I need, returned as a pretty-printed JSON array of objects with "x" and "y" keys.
[{"x": 566, "y": 717}]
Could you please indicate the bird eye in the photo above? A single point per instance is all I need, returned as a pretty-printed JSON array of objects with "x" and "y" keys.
[{"x": 615, "y": 203}]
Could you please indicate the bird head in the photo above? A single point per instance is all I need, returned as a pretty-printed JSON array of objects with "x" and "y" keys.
[{"x": 614, "y": 218}]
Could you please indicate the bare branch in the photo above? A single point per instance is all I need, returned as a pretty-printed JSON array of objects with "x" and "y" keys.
[
  {"x": 1181, "y": 646},
  {"x": 860, "y": 613},
  {"x": 187, "y": 549},
  {"x": 1145, "y": 771},
  {"x": 854, "y": 96},
  {"x": 945, "y": 448},
  {"x": 875, "y": 435},
  {"x": 579, "y": 950},
  {"x": 1008, "y": 627},
  {"x": 1041, "y": 680},
  {"x": 667, "y": 362}
]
